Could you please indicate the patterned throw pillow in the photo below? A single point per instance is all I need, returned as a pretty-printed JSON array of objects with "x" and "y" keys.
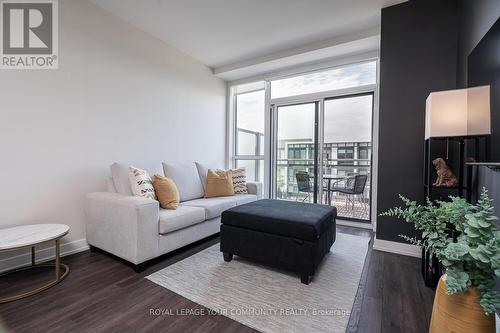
[
  {"x": 240, "y": 181},
  {"x": 142, "y": 185}
]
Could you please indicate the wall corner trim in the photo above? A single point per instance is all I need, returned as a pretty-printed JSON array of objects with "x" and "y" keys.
[
  {"x": 398, "y": 248},
  {"x": 42, "y": 254}
]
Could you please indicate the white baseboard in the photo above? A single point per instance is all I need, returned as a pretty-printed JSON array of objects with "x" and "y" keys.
[
  {"x": 43, "y": 254},
  {"x": 398, "y": 248}
]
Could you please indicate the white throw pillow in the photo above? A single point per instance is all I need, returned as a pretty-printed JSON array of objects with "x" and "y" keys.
[
  {"x": 141, "y": 183},
  {"x": 120, "y": 174},
  {"x": 240, "y": 181}
]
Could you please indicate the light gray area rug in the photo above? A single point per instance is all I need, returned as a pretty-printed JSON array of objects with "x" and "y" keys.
[{"x": 270, "y": 300}]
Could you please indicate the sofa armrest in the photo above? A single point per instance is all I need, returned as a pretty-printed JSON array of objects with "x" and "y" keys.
[
  {"x": 126, "y": 226},
  {"x": 255, "y": 188}
]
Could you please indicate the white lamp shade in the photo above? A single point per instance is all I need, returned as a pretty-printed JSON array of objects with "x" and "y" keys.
[{"x": 461, "y": 112}]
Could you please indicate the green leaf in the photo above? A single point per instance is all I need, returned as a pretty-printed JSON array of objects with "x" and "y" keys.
[
  {"x": 471, "y": 220},
  {"x": 483, "y": 223},
  {"x": 490, "y": 300},
  {"x": 457, "y": 281},
  {"x": 472, "y": 232},
  {"x": 478, "y": 254},
  {"x": 456, "y": 251}
]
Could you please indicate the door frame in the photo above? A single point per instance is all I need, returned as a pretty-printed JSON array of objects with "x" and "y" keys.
[
  {"x": 274, "y": 147},
  {"x": 372, "y": 94},
  {"x": 319, "y": 99}
]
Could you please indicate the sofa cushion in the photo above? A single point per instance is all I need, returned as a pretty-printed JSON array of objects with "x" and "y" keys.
[
  {"x": 120, "y": 172},
  {"x": 244, "y": 198},
  {"x": 182, "y": 217},
  {"x": 185, "y": 176},
  {"x": 213, "y": 206},
  {"x": 110, "y": 186}
]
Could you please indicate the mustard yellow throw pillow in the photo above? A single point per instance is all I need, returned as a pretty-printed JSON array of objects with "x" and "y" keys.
[
  {"x": 166, "y": 192},
  {"x": 219, "y": 183}
]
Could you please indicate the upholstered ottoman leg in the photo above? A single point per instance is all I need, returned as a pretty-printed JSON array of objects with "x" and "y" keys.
[
  {"x": 305, "y": 278},
  {"x": 140, "y": 267},
  {"x": 227, "y": 256}
]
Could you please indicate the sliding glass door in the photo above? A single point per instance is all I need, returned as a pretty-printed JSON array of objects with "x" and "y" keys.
[
  {"x": 339, "y": 173},
  {"x": 347, "y": 154},
  {"x": 296, "y": 145}
]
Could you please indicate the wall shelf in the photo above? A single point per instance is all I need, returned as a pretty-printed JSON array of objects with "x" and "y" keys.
[
  {"x": 495, "y": 166},
  {"x": 455, "y": 151}
]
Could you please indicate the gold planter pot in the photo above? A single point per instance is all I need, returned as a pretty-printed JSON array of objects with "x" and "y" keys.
[{"x": 459, "y": 313}]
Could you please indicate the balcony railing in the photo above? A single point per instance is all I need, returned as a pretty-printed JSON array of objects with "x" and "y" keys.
[{"x": 350, "y": 207}]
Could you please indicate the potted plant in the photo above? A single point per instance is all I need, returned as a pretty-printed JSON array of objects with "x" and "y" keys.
[{"x": 466, "y": 240}]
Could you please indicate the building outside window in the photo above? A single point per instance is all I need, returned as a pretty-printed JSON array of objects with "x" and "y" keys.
[{"x": 342, "y": 97}]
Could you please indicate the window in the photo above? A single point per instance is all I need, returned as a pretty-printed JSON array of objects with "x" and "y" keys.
[
  {"x": 320, "y": 113},
  {"x": 363, "y": 153},
  {"x": 250, "y": 123},
  {"x": 297, "y": 152},
  {"x": 345, "y": 153},
  {"x": 249, "y": 111},
  {"x": 337, "y": 78}
]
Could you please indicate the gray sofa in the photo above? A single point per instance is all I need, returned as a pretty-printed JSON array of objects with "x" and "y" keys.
[{"x": 137, "y": 229}]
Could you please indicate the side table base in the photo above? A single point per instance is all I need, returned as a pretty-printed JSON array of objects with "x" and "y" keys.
[{"x": 39, "y": 289}]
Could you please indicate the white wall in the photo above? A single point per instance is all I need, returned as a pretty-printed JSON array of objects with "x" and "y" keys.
[{"x": 118, "y": 95}]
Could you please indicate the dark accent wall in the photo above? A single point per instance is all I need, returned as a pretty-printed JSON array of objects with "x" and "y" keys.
[
  {"x": 479, "y": 60},
  {"x": 483, "y": 68},
  {"x": 418, "y": 55},
  {"x": 476, "y": 18}
]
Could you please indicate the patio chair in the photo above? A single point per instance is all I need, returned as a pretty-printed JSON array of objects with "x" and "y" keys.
[
  {"x": 303, "y": 185},
  {"x": 353, "y": 188}
]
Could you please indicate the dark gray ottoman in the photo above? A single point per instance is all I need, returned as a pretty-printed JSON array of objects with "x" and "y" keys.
[{"x": 288, "y": 235}]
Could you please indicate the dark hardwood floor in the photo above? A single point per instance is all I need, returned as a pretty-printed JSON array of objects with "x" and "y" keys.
[{"x": 103, "y": 294}]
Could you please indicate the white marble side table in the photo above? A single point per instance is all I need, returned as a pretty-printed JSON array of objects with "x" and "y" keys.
[{"x": 29, "y": 236}]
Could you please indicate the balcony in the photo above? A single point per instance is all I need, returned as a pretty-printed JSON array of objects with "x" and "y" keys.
[{"x": 338, "y": 174}]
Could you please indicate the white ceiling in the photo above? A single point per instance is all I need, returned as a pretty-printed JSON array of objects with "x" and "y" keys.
[{"x": 221, "y": 33}]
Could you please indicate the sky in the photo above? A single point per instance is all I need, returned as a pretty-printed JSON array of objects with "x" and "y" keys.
[
  {"x": 346, "y": 119},
  {"x": 337, "y": 78},
  {"x": 250, "y": 108}
]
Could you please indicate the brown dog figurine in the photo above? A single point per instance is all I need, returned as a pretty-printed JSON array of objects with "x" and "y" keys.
[{"x": 445, "y": 177}]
